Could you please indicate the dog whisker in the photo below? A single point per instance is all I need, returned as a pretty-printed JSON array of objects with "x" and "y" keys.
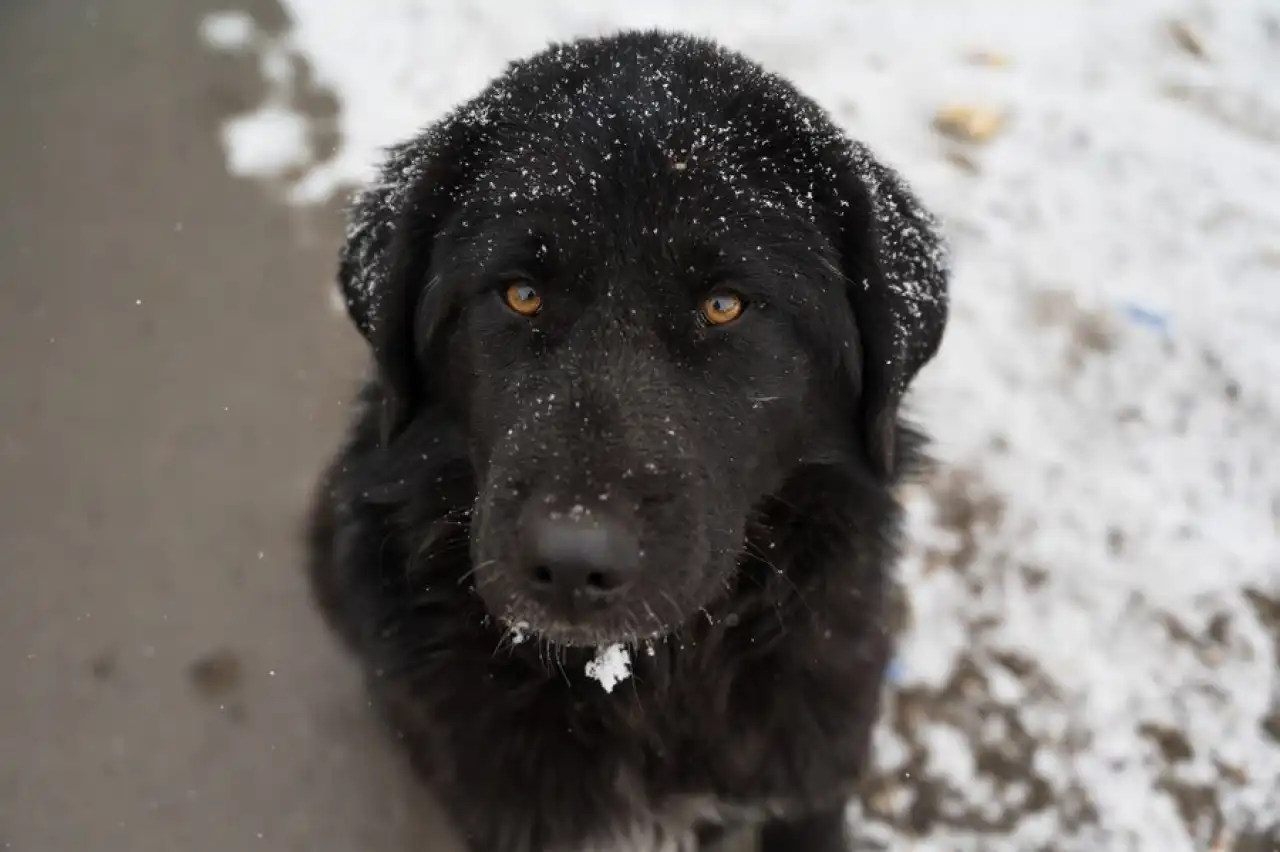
[
  {"x": 479, "y": 566},
  {"x": 563, "y": 673}
]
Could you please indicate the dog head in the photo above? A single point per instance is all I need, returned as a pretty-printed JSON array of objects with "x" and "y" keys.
[{"x": 648, "y": 282}]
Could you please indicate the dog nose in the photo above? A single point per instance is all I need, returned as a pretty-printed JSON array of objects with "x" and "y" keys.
[{"x": 580, "y": 557}]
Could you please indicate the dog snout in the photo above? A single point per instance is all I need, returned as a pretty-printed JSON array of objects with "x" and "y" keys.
[{"x": 579, "y": 559}]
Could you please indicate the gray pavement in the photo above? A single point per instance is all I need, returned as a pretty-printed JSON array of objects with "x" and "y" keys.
[{"x": 171, "y": 377}]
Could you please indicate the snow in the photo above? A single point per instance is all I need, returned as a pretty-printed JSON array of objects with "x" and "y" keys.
[
  {"x": 611, "y": 666},
  {"x": 1093, "y": 583},
  {"x": 272, "y": 141},
  {"x": 265, "y": 143},
  {"x": 228, "y": 31},
  {"x": 519, "y": 633}
]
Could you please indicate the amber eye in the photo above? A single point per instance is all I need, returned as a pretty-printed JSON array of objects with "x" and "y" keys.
[
  {"x": 523, "y": 299},
  {"x": 722, "y": 308}
]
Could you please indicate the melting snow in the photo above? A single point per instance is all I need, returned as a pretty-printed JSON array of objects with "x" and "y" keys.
[{"x": 1092, "y": 592}]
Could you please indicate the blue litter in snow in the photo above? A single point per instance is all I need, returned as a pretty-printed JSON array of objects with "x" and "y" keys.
[
  {"x": 895, "y": 670},
  {"x": 1146, "y": 316}
]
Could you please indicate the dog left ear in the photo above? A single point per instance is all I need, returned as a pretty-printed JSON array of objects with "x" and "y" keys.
[
  {"x": 895, "y": 264},
  {"x": 385, "y": 264}
]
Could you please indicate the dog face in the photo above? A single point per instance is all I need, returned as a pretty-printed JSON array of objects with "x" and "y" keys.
[
  {"x": 647, "y": 292},
  {"x": 633, "y": 378}
]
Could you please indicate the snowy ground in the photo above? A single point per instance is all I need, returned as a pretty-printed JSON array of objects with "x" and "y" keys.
[{"x": 1091, "y": 618}]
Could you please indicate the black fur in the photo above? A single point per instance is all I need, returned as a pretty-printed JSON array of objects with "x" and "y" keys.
[{"x": 627, "y": 178}]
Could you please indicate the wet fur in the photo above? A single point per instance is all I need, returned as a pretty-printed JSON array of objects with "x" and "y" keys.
[{"x": 756, "y": 702}]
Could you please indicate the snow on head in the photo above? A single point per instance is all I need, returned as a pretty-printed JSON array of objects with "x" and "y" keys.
[
  {"x": 648, "y": 101},
  {"x": 611, "y": 666}
]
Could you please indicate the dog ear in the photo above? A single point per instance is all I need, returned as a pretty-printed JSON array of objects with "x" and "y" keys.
[
  {"x": 895, "y": 264},
  {"x": 384, "y": 265}
]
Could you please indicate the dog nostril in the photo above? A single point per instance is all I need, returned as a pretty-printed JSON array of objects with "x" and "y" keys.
[{"x": 572, "y": 579}]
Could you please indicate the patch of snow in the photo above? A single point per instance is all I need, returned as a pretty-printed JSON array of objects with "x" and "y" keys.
[
  {"x": 949, "y": 754},
  {"x": 273, "y": 140},
  {"x": 267, "y": 143},
  {"x": 228, "y": 31},
  {"x": 611, "y": 666}
]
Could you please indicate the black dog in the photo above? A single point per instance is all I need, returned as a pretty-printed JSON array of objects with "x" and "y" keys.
[{"x": 642, "y": 319}]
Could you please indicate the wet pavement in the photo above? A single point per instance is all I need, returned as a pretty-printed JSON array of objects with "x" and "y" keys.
[{"x": 173, "y": 376}]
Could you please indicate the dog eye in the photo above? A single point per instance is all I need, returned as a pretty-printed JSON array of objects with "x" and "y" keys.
[
  {"x": 722, "y": 308},
  {"x": 523, "y": 299}
]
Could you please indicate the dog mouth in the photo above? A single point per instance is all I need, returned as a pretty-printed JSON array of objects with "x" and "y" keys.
[
  {"x": 528, "y": 624},
  {"x": 585, "y": 573}
]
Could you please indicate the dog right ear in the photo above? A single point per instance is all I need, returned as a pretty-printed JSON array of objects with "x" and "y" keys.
[
  {"x": 895, "y": 262},
  {"x": 385, "y": 264}
]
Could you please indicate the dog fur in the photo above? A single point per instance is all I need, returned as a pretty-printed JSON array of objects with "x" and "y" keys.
[{"x": 626, "y": 178}]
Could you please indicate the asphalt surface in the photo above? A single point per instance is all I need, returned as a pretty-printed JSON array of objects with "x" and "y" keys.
[{"x": 171, "y": 378}]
